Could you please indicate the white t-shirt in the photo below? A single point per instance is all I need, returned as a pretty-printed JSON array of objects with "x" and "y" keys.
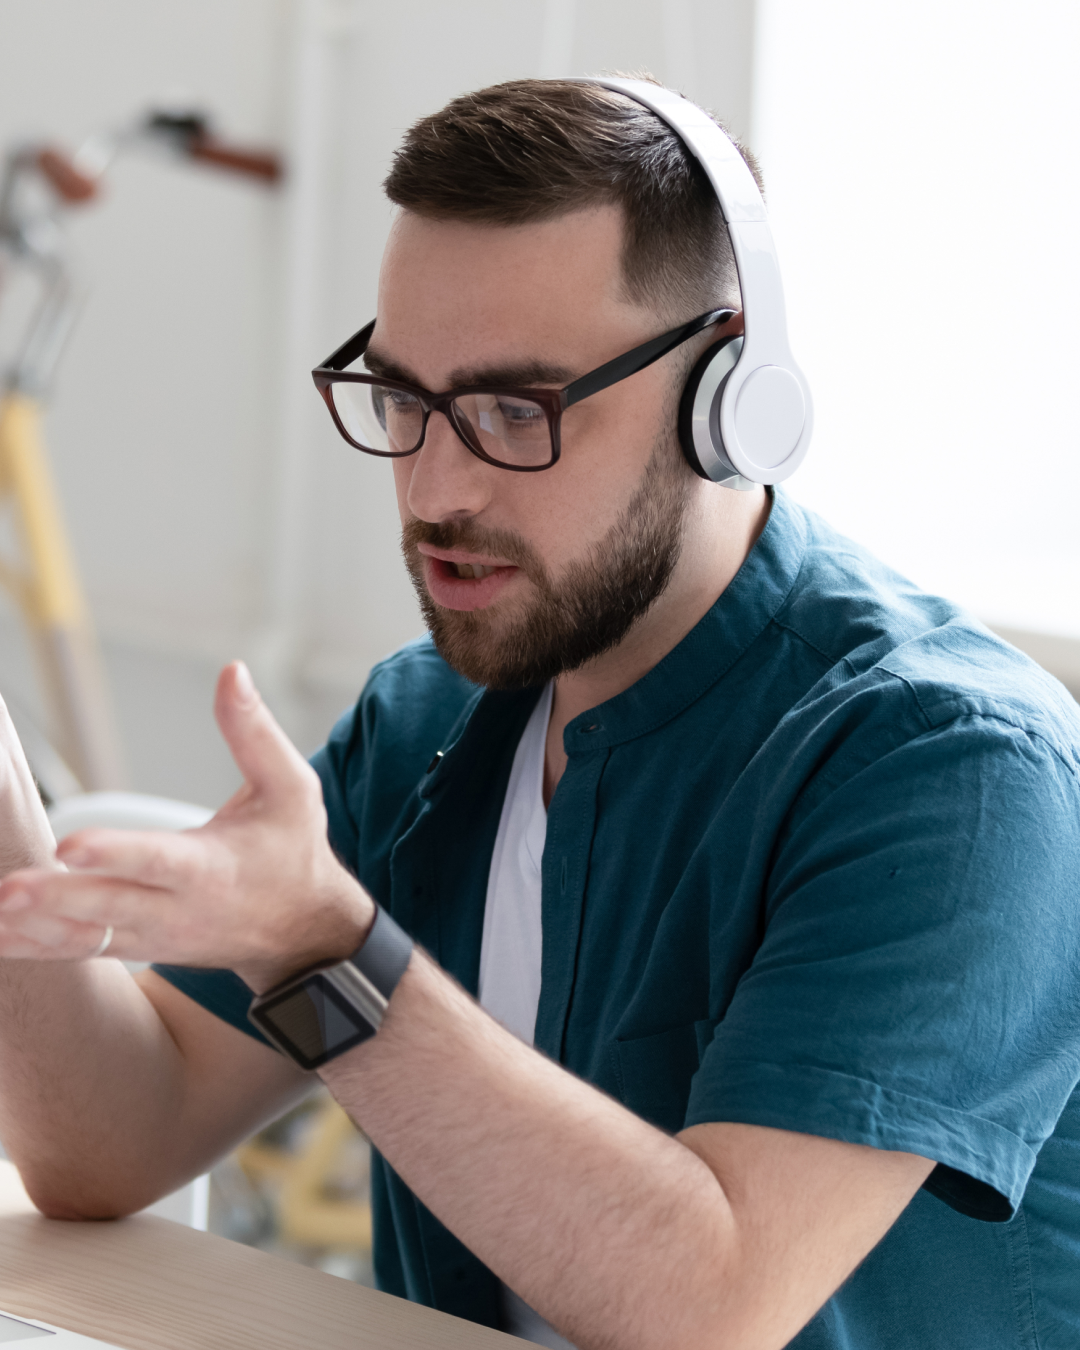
[{"x": 512, "y": 944}]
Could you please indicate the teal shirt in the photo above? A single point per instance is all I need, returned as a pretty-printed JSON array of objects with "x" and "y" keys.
[{"x": 817, "y": 870}]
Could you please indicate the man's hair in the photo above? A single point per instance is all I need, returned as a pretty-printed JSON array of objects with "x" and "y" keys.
[{"x": 533, "y": 150}]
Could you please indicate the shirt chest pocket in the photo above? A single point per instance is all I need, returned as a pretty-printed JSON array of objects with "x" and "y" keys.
[{"x": 654, "y": 1072}]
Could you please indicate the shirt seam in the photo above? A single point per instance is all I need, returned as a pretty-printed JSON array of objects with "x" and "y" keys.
[
  {"x": 929, "y": 722},
  {"x": 1023, "y": 1280},
  {"x": 1029, "y": 732},
  {"x": 825, "y": 656},
  {"x": 1018, "y": 1143}
]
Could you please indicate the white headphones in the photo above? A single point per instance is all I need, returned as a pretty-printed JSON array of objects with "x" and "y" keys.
[{"x": 746, "y": 414}]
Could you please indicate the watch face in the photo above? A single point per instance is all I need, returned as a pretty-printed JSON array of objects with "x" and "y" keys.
[{"x": 311, "y": 1021}]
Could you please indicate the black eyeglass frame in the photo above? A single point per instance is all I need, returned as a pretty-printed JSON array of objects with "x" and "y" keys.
[{"x": 554, "y": 402}]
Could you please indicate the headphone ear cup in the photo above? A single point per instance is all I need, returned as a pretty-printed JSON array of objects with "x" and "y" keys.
[{"x": 699, "y": 413}]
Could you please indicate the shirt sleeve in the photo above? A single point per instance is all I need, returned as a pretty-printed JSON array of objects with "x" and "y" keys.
[
  {"x": 221, "y": 992},
  {"x": 917, "y": 987}
]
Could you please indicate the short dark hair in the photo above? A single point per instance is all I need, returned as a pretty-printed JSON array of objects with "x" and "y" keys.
[{"x": 532, "y": 150}]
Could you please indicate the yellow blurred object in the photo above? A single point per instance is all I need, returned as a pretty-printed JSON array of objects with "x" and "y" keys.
[
  {"x": 38, "y": 185},
  {"x": 45, "y": 585},
  {"x": 308, "y": 1213}
]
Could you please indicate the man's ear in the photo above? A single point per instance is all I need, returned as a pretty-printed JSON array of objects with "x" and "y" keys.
[{"x": 734, "y": 327}]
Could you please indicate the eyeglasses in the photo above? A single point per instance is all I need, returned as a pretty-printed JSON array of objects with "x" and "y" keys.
[{"x": 514, "y": 429}]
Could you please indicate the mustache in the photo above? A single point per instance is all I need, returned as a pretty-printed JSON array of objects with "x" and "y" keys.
[{"x": 466, "y": 534}]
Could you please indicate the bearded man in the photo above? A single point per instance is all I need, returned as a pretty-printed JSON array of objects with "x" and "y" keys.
[{"x": 745, "y": 1002}]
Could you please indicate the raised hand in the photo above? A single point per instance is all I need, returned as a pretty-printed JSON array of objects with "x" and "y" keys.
[{"x": 257, "y": 889}]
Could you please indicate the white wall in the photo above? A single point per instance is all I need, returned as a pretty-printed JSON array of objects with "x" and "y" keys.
[
  {"x": 160, "y": 417},
  {"x": 212, "y": 506},
  {"x": 918, "y": 159},
  {"x": 923, "y": 186}
]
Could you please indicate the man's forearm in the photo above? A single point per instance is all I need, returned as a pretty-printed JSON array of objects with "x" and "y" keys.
[
  {"x": 115, "y": 1091},
  {"x": 584, "y": 1209},
  {"x": 88, "y": 1082}
]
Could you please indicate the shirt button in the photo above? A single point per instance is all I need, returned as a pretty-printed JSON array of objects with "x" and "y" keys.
[{"x": 435, "y": 761}]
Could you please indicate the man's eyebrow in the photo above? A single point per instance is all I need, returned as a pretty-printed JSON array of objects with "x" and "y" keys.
[
  {"x": 519, "y": 375},
  {"x": 522, "y": 375},
  {"x": 390, "y": 370}
]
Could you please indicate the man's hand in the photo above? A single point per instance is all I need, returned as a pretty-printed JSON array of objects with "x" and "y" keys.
[
  {"x": 26, "y": 839},
  {"x": 257, "y": 889}
]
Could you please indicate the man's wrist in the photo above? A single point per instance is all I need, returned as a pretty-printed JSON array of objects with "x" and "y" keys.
[
  {"x": 326, "y": 1010},
  {"x": 334, "y": 936}
]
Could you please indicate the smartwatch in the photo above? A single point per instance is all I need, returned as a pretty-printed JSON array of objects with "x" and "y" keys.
[{"x": 319, "y": 1014}]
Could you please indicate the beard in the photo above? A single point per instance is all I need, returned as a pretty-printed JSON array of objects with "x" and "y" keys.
[{"x": 572, "y": 620}]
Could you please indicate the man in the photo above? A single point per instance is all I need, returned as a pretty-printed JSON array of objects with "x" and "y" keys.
[{"x": 772, "y": 857}]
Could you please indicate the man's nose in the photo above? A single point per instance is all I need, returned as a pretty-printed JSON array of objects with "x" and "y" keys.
[{"x": 446, "y": 480}]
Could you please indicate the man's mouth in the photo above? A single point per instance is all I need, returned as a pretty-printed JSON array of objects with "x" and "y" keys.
[
  {"x": 464, "y": 585},
  {"x": 472, "y": 569}
]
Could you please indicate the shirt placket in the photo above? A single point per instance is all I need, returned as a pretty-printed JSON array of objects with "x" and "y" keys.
[{"x": 565, "y": 874}]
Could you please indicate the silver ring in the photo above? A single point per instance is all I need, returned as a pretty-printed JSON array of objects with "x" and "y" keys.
[{"x": 103, "y": 945}]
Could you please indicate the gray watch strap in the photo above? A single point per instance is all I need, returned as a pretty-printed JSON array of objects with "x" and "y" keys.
[
  {"x": 385, "y": 953},
  {"x": 325, "y": 1010}
]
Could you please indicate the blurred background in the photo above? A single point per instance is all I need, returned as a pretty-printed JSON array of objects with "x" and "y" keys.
[{"x": 921, "y": 174}]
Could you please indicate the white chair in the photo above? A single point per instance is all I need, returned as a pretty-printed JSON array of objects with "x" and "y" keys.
[
  {"x": 123, "y": 811},
  {"x": 139, "y": 811}
]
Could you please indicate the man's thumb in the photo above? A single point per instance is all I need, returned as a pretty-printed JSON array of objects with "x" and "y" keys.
[{"x": 264, "y": 754}]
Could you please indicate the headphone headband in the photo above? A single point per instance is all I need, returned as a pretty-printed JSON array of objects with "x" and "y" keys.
[{"x": 766, "y": 414}]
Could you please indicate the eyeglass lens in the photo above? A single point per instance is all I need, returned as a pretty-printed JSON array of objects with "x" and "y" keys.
[{"x": 387, "y": 421}]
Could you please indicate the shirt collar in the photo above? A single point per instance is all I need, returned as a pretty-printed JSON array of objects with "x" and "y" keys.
[{"x": 745, "y": 608}]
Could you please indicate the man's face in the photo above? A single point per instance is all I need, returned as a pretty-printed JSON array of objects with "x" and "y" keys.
[{"x": 524, "y": 575}]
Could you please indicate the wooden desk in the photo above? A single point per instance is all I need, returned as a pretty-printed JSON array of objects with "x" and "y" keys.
[{"x": 148, "y": 1284}]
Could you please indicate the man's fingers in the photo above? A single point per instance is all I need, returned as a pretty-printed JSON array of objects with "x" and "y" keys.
[
  {"x": 264, "y": 754},
  {"x": 163, "y": 859},
  {"x": 32, "y": 901},
  {"x": 51, "y": 939}
]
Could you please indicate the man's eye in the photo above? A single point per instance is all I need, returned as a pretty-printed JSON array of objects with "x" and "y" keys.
[{"x": 521, "y": 414}]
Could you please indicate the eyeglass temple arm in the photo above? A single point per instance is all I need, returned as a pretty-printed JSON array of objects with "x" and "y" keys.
[
  {"x": 349, "y": 350},
  {"x": 631, "y": 362}
]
